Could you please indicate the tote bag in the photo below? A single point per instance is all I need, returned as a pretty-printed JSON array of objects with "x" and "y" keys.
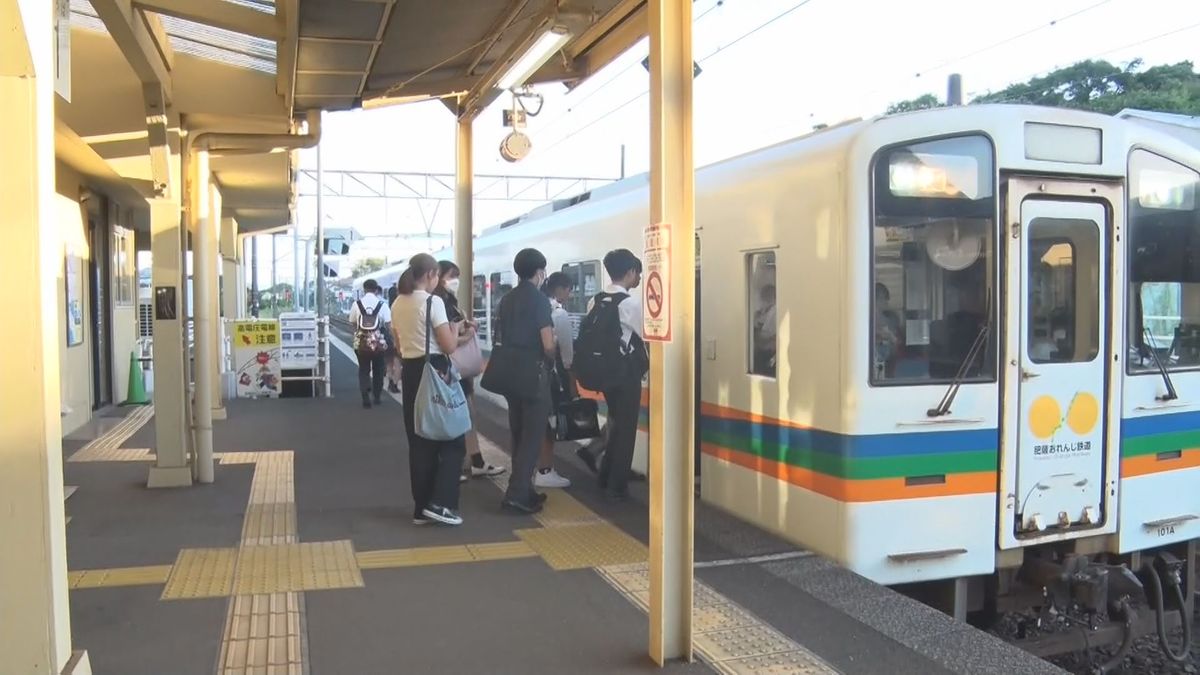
[
  {"x": 440, "y": 412},
  {"x": 468, "y": 359}
]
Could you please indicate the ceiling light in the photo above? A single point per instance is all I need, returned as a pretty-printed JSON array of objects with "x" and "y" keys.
[{"x": 538, "y": 53}]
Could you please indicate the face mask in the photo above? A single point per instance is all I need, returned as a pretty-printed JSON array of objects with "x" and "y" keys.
[{"x": 452, "y": 285}]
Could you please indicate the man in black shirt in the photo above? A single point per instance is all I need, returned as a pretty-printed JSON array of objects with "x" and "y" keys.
[{"x": 525, "y": 324}]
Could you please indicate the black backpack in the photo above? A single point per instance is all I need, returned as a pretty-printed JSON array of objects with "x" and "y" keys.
[{"x": 601, "y": 362}]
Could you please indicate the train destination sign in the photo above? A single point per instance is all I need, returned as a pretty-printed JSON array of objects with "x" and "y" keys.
[{"x": 656, "y": 284}]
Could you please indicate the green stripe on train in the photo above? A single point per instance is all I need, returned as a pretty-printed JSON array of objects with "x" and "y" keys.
[
  {"x": 1156, "y": 443},
  {"x": 859, "y": 468}
]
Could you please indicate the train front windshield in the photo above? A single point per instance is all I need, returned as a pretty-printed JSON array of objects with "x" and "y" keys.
[
  {"x": 1164, "y": 264},
  {"x": 933, "y": 258}
]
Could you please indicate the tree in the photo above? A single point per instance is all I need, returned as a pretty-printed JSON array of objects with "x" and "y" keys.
[
  {"x": 1101, "y": 87},
  {"x": 367, "y": 265},
  {"x": 923, "y": 102},
  {"x": 1098, "y": 86}
]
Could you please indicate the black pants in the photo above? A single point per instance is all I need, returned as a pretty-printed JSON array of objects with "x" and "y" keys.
[
  {"x": 527, "y": 419},
  {"x": 433, "y": 466},
  {"x": 371, "y": 369},
  {"x": 624, "y": 408}
]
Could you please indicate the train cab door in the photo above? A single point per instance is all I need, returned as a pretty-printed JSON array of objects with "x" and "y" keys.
[{"x": 1057, "y": 379}]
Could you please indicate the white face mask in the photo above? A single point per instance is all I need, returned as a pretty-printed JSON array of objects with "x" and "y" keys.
[{"x": 452, "y": 285}]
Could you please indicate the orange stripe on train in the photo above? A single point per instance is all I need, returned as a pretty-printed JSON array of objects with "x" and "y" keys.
[
  {"x": 1144, "y": 465},
  {"x": 874, "y": 490}
]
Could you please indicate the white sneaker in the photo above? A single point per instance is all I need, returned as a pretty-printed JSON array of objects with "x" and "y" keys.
[
  {"x": 487, "y": 470},
  {"x": 550, "y": 479}
]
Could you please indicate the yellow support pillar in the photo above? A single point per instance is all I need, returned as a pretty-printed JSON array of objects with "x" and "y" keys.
[
  {"x": 464, "y": 242},
  {"x": 672, "y": 366},
  {"x": 35, "y": 621}
]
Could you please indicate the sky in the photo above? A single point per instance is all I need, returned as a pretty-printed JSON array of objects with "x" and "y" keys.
[{"x": 772, "y": 69}]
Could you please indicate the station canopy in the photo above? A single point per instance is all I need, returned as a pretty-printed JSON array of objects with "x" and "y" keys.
[{"x": 255, "y": 66}]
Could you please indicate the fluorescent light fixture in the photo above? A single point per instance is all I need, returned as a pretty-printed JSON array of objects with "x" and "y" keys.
[{"x": 538, "y": 54}]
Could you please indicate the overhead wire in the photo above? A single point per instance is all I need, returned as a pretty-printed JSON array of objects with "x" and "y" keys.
[{"x": 702, "y": 60}]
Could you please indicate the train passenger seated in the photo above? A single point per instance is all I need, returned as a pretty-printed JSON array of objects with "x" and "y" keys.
[
  {"x": 433, "y": 465},
  {"x": 558, "y": 288},
  {"x": 951, "y": 339},
  {"x": 624, "y": 398},
  {"x": 887, "y": 331},
  {"x": 370, "y": 316},
  {"x": 465, "y": 329},
  {"x": 524, "y": 324}
]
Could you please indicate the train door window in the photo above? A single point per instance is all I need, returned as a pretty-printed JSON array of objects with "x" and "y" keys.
[
  {"x": 502, "y": 283},
  {"x": 1063, "y": 293},
  {"x": 586, "y": 279},
  {"x": 479, "y": 303},
  {"x": 763, "y": 319},
  {"x": 933, "y": 262},
  {"x": 1164, "y": 264}
]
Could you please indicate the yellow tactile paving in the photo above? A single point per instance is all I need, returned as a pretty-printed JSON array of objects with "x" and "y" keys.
[
  {"x": 269, "y": 524},
  {"x": 113, "y": 455},
  {"x": 201, "y": 573},
  {"x": 563, "y": 509},
  {"x": 264, "y": 635},
  {"x": 148, "y": 575},
  {"x": 296, "y": 567},
  {"x": 413, "y": 557},
  {"x": 505, "y": 550},
  {"x": 98, "y": 449},
  {"x": 578, "y": 546}
]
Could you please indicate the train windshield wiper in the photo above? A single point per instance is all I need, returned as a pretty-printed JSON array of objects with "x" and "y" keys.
[
  {"x": 943, "y": 407},
  {"x": 1162, "y": 368}
]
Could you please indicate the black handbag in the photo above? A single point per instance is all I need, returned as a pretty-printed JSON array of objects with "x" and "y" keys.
[
  {"x": 576, "y": 420},
  {"x": 512, "y": 371}
]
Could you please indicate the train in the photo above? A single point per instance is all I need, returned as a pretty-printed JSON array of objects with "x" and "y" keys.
[{"x": 954, "y": 350}]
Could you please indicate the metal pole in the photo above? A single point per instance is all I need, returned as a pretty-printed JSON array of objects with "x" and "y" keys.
[
  {"x": 320, "y": 244},
  {"x": 307, "y": 267},
  {"x": 672, "y": 367},
  {"x": 296, "y": 288},
  {"x": 954, "y": 90},
  {"x": 253, "y": 269},
  {"x": 464, "y": 242},
  {"x": 622, "y": 160},
  {"x": 274, "y": 265},
  {"x": 202, "y": 270}
]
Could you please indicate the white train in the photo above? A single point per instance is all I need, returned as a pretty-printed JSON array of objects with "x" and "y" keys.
[{"x": 949, "y": 345}]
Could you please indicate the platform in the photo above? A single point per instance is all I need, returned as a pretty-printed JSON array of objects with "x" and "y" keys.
[{"x": 301, "y": 558}]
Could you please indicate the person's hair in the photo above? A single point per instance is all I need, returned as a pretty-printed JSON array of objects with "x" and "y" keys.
[
  {"x": 445, "y": 267},
  {"x": 371, "y": 286},
  {"x": 619, "y": 262},
  {"x": 556, "y": 281},
  {"x": 882, "y": 289},
  {"x": 527, "y": 263},
  {"x": 404, "y": 285},
  {"x": 392, "y": 293}
]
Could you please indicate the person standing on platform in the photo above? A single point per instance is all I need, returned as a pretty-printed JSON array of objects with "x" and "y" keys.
[
  {"x": 623, "y": 388},
  {"x": 393, "y": 357},
  {"x": 558, "y": 288},
  {"x": 449, "y": 278},
  {"x": 433, "y": 465},
  {"x": 525, "y": 325},
  {"x": 370, "y": 316}
]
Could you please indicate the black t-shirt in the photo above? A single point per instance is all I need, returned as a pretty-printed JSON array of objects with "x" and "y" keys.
[
  {"x": 523, "y": 313},
  {"x": 453, "y": 313}
]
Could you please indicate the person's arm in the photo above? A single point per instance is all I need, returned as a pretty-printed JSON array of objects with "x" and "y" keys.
[
  {"x": 545, "y": 325},
  {"x": 547, "y": 334},
  {"x": 562, "y": 334},
  {"x": 447, "y": 342},
  {"x": 354, "y": 316}
]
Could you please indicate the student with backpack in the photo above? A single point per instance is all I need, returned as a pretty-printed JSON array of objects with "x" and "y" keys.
[
  {"x": 370, "y": 316},
  {"x": 610, "y": 357}
]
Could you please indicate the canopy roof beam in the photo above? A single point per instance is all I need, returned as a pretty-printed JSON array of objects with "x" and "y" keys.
[
  {"x": 148, "y": 55},
  {"x": 218, "y": 14}
]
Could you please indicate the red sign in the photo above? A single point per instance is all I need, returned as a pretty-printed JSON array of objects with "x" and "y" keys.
[
  {"x": 656, "y": 322},
  {"x": 654, "y": 295}
]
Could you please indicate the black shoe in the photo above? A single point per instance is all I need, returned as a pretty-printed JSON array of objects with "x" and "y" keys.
[
  {"x": 616, "y": 496},
  {"x": 378, "y": 399},
  {"x": 393, "y": 388},
  {"x": 442, "y": 515},
  {"x": 540, "y": 497},
  {"x": 521, "y": 507},
  {"x": 589, "y": 460},
  {"x": 366, "y": 402},
  {"x": 636, "y": 477}
]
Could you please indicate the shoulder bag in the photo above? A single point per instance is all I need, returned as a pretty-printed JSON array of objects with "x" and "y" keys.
[{"x": 440, "y": 412}]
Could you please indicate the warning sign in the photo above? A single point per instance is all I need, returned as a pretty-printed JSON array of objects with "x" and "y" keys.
[{"x": 656, "y": 320}]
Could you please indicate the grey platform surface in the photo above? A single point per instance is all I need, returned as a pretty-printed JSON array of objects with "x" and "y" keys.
[{"x": 514, "y": 616}]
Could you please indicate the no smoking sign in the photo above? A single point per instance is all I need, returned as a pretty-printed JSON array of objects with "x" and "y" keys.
[{"x": 656, "y": 293}]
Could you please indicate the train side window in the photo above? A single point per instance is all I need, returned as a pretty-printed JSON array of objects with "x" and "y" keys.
[
  {"x": 933, "y": 262},
  {"x": 586, "y": 279},
  {"x": 763, "y": 319},
  {"x": 1164, "y": 264},
  {"x": 479, "y": 304}
]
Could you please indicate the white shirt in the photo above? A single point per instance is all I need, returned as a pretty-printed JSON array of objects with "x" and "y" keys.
[
  {"x": 562, "y": 332},
  {"x": 630, "y": 311},
  {"x": 408, "y": 323},
  {"x": 369, "y": 301}
]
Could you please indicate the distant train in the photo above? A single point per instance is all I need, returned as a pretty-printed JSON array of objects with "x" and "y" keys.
[{"x": 958, "y": 346}]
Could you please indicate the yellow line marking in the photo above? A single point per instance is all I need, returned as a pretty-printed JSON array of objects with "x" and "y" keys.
[
  {"x": 120, "y": 576},
  {"x": 505, "y": 550},
  {"x": 296, "y": 567},
  {"x": 443, "y": 555},
  {"x": 98, "y": 449},
  {"x": 572, "y": 547},
  {"x": 201, "y": 573}
]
